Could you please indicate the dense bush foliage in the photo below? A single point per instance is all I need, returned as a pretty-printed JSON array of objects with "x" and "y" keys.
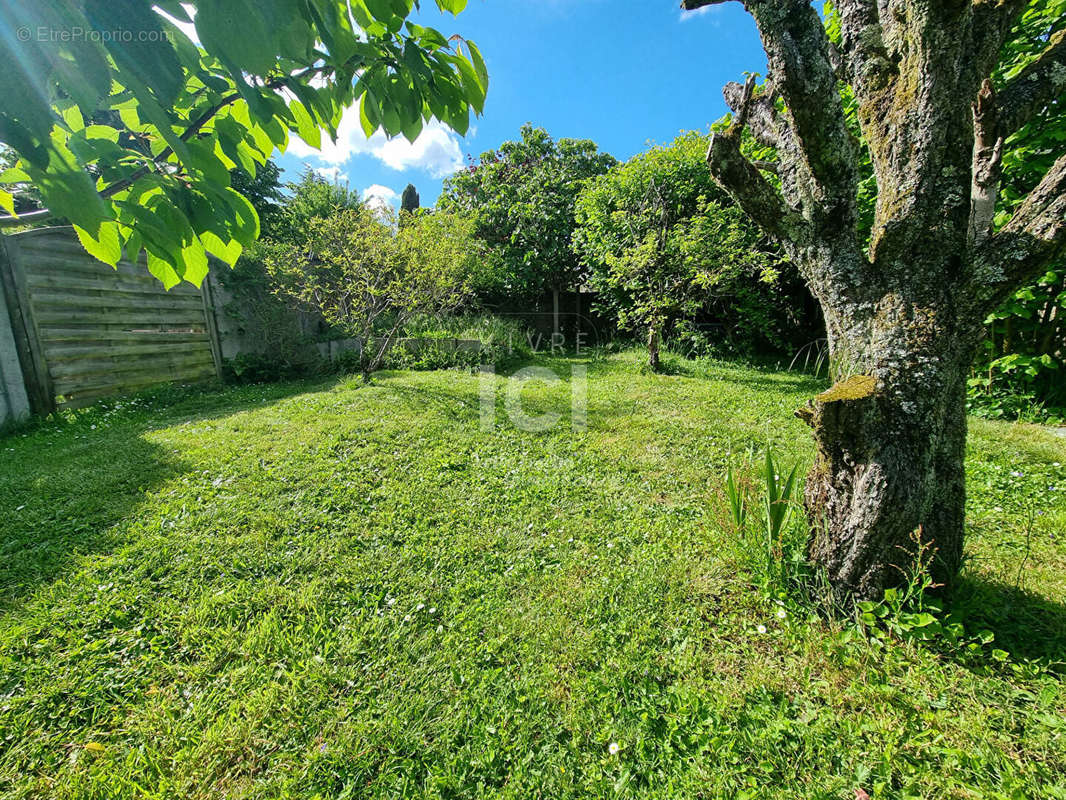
[
  {"x": 522, "y": 197},
  {"x": 670, "y": 255}
]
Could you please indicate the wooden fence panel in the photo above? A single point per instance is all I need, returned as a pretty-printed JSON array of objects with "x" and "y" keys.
[{"x": 89, "y": 331}]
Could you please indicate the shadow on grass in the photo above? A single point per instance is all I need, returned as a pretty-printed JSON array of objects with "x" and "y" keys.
[
  {"x": 70, "y": 487},
  {"x": 1026, "y": 625}
]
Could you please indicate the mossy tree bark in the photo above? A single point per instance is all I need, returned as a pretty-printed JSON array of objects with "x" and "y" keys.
[{"x": 904, "y": 311}]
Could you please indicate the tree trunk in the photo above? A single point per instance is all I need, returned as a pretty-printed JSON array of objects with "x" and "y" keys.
[
  {"x": 886, "y": 494},
  {"x": 653, "y": 349},
  {"x": 904, "y": 298}
]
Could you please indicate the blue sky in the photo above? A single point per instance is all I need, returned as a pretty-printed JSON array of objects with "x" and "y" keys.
[{"x": 620, "y": 72}]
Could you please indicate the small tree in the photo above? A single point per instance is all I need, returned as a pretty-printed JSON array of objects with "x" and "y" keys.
[
  {"x": 410, "y": 202},
  {"x": 660, "y": 239},
  {"x": 368, "y": 278}
]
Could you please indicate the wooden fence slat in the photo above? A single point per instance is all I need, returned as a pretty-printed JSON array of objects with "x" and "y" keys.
[
  {"x": 160, "y": 372},
  {"x": 100, "y": 336},
  {"x": 135, "y": 379},
  {"x": 65, "y": 372},
  {"x": 177, "y": 318},
  {"x": 189, "y": 303},
  {"x": 57, "y": 353},
  {"x": 105, "y": 284},
  {"x": 211, "y": 317},
  {"x": 88, "y": 396}
]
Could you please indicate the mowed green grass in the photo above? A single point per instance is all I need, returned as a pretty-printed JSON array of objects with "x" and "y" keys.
[{"x": 349, "y": 591}]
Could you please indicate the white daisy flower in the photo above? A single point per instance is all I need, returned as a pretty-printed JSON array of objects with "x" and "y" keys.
[
  {"x": 613, "y": 748},
  {"x": 761, "y": 629}
]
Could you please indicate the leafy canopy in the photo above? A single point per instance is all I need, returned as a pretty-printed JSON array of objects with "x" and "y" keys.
[
  {"x": 130, "y": 129},
  {"x": 522, "y": 198}
]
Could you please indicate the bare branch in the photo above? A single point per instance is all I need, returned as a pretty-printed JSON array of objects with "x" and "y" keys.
[
  {"x": 1029, "y": 92},
  {"x": 1022, "y": 249},
  {"x": 692, "y": 5},
  {"x": 744, "y": 106}
]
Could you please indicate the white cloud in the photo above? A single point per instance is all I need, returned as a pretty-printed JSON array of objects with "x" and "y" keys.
[
  {"x": 700, "y": 12},
  {"x": 378, "y": 196},
  {"x": 331, "y": 174},
  {"x": 436, "y": 151}
]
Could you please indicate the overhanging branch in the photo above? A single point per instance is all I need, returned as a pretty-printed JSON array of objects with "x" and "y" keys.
[
  {"x": 692, "y": 5},
  {"x": 41, "y": 214}
]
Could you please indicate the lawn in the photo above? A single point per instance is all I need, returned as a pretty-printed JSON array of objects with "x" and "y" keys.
[{"x": 347, "y": 591}]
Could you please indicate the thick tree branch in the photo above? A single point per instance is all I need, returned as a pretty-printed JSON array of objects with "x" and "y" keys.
[
  {"x": 818, "y": 163},
  {"x": 867, "y": 66},
  {"x": 759, "y": 112},
  {"x": 752, "y": 192},
  {"x": 801, "y": 67},
  {"x": 1022, "y": 249},
  {"x": 1029, "y": 92}
]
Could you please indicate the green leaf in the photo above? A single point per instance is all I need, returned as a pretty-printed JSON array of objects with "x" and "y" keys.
[
  {"x": 105, "y": 245},
  {"x": 163, "y": 270},
  {"x": 453, "y": 6},
  {"x": 368, "y": 125},
  {"x": 237, "y": 31},
  {"x": 194, "y": 258},
  {"x": 245, "y": 217},
  {"x": 147, "y": 53},
  {"x": 305, "y": 126},
  {"x": 227, "y": 251},
  {"x": 7, "y": 202},
  {"x": 479, "y": 64}
]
